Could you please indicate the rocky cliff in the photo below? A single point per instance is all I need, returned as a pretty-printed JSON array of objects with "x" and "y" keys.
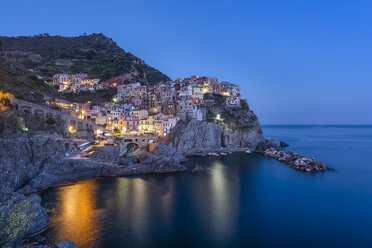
[
  {"x": 29, "y": 163},
  {"x": 203, "y": 135},
  {"x": 95, "y": 54},
  {"x": 223, "y": 126}
]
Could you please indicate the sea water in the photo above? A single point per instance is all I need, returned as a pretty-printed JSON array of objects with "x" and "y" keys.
[{"x": 242, "y": 200}]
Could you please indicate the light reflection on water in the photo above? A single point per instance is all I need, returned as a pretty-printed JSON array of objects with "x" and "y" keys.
[
  {"x": 77, "y": 213},
  {"x": 240, "y": 201},
  {"x": 223, "y": 196},
  {"x": 84, "y": 212}
]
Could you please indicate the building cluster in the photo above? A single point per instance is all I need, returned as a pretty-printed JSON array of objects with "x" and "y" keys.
[
  {"x": 75, "y": 82},
  {"x": 155, "y": 110}
]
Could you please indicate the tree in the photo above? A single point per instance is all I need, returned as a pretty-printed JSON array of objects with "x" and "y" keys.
[{"x": 244, "y": 104}]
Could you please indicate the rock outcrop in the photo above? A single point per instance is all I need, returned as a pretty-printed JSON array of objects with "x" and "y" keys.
[
  {"x": 203, "y": 135},
  {"x": 283, "y": 144},
  {"x": 163, "y": 159},
  {"x": 296, "y": 161},
  {"x": 110, "y": 154},
  {"x": 222, "y": 127},
  {"x": 20, "y": 216},
  {"x": 32, "y": 163},
  {"x": 197, "y": 135},
  {"x": 198, "y": 168},
  {"x": 267, "y": 144},
  {"x": 248, "y": 138},
  {"x": 23, "y": 157},
  {"x": 38, "y": 162}
]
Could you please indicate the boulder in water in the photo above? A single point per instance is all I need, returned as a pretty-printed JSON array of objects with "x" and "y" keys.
[{"x": 283, "y": 144}]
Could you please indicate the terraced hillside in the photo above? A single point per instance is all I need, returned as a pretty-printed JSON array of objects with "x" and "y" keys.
[{"x": 95, "y": 54}]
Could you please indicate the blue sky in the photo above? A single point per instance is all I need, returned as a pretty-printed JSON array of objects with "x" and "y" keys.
[{"x": 297, "y": 62}]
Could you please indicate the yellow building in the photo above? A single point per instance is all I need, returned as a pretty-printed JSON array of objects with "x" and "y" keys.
[
  {"x": 158, "y": 127},
  {"x": 138, "y": 114},
  {"x": 147, "y": 125}
]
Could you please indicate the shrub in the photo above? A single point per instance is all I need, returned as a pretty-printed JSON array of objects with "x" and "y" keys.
[{"x": 244, "y": 104}]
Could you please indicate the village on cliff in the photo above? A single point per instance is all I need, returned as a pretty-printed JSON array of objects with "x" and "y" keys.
[{"x": 139, "y": 109}]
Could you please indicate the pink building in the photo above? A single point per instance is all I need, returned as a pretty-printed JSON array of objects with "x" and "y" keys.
[
  {"x": 168, "y": 123},
  {"x": 116, "y": 81},
  {"x": 128, "y": 123},
  {"x": 86, "y": 106}
]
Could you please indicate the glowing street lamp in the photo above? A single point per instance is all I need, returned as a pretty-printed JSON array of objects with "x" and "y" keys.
[{"x": 71, "y": 129}]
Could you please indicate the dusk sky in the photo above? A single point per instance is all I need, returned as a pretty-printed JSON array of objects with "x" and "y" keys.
[{"x": 297, "y": 62}]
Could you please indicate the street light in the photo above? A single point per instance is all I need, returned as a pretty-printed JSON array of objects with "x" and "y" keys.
[{"x": 71, "y": 129}]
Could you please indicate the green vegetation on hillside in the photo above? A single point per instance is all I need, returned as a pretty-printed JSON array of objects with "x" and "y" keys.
[
  {"x": 96, "y": 55},
  {"x": 23, "y": 84},
  {"x": 100, "y": 96},
  {"x": 235, "y": 118}
]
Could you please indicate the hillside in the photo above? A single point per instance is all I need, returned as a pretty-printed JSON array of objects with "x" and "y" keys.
[
  {"x": 22, "y": 83},
  {"x": 95, "y": 54}
]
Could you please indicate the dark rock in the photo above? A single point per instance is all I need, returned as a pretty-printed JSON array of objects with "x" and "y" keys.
[
  {"x": 267, "y": 144},
  {"x": 240, "y": 129},
  {"x": 110, "y": 154},
  {"x": 296, "y": 161},
  {"x": 283, "y": 144},
  {"x": 21, "y": 217},
  {"x": 199, "y": 168}
]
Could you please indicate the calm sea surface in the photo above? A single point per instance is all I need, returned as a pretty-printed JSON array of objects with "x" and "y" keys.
[{"x": 241, "y": 201}]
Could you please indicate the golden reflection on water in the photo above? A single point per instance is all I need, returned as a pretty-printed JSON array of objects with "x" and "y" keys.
[
  {"x": 76, "y": 217},
  {"x": 225, "y": 204}
]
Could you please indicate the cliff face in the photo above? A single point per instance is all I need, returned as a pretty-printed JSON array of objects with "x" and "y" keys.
[
  {"x": 23, "y": 157},
  {"x": 203, "y": 135},
  {"x": 250, "y": 138},
  {"x": 223, "y": 127},
  {"x": 95, "y": 54},
  {"x": 29, "y": 163},
  {"x": 197, "y": 135}
]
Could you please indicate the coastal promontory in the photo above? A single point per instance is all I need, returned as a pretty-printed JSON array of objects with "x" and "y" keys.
[{"x": 76, "y": 108}]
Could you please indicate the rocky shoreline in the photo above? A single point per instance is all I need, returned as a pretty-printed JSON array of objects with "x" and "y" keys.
[
  {"x": 270, "y": 149},
  {"x": 30, "y": 164},
  {"x": 296, "y": 161}
]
